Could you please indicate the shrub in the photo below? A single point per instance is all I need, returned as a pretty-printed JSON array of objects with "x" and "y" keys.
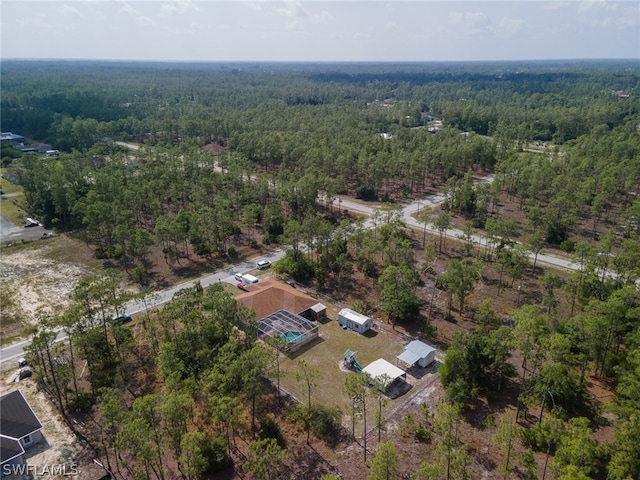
[
  {"x": 140, "y": 275},
  {"x": 422, "y": 433},
  {"x": 360, "y": 307},
  {"x": 215, "y": 451},
  {"x": 366, "y": 192},
  {"x": 568, "y": 245},
  {"x": 81, "y": 402},
  {"x": 325, "y": 420},
  {"x": 429, "y": 330},
  {"x": 269, "y": 428},
  {"x": 459, "y": 391},
  {"x": 408, "y": 425}
]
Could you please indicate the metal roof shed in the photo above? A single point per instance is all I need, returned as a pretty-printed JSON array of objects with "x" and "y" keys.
[
  {"x": 382, "y": 368},
  {"x": 418, "y": 352}
]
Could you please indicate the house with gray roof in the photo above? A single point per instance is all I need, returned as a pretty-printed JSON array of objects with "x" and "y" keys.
[{"x": 20, "y": 428}]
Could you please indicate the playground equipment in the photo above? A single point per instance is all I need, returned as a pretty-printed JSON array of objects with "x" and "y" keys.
[{"x": 350, "y": 360}]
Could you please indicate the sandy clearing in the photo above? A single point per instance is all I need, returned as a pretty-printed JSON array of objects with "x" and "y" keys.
[{"x": 40, "y": 277}]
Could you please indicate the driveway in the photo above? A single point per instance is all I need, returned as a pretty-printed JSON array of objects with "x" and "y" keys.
[{"x": 10, "y": 232}]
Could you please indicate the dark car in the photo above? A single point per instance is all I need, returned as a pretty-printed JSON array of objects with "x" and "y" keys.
[
  {"x": 25, "y": 373},
  {"x": 120, "y": 319}
]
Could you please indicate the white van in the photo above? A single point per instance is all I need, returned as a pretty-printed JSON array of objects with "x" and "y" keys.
[{"x": 245, "y": 278}]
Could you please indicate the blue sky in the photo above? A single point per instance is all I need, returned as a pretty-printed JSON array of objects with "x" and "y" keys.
[{"x": 315, "y": 30}]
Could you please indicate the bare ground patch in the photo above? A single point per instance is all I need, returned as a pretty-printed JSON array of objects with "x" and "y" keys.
[{"x": 40, "y": 277}]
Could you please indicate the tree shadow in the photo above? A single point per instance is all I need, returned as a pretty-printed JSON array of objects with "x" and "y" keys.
[{"x": 306, "y": 347}]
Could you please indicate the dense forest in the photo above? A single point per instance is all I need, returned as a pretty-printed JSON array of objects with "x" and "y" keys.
[{"x": 233, "y": 156}]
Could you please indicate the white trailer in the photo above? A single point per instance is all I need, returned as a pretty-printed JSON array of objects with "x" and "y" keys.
[{"x": 357, "y": 322}]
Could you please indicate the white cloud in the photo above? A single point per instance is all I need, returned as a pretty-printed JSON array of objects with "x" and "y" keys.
[
  {"x": 139, "y": 18},
  {"x": 555, "y": 5},
  {"x": 321, "y": 17},
  {"x": 297, "y": 14},
  {"x": 292, "y": 9},
  {"x": 628, "y": 17},
  {"x": 144, "y": 21},
  {"x": 473, "y": 22},
  {"x": 508, "y": 27},
  {"x": 588, "y": 5},
  {"x": 177, "y": 7},
  {"x": 255, "y": 6},
  {"x": 69, "y": 11},
  {"x": 479, "y": 23},
  {"x": 616, "y": 15},
  {"x": 128, "y": 9}
]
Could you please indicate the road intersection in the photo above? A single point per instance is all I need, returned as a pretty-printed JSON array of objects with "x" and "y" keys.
[{"x": 16, "y": 350}]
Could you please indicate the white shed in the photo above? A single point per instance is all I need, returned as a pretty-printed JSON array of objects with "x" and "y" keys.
[
  {"x": 354, "y": 320},
  {"x": 418, "y": 352}
]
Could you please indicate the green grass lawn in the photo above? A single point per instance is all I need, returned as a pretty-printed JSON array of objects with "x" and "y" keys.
[
  {"x": 13, "y": 208},
  {"x": 326, "y": 355}
]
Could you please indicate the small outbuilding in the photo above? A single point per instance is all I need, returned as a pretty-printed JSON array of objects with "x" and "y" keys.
[
  {"x": 417, "y": 352},
  {"x": 315, "y": 312},
  {"x": 381, "y": 369},
  {"x": 354, "y": 320}
]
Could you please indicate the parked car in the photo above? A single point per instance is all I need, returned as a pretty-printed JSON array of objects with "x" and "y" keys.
[
  {"x": 238, "y": 277},
  {"x": 243, "y": 286},
  {"x": 263, "y": 264},
  {"x": 22, "y": 362},
  {"x": 24, "y": 373},
  {"x": 120, "y": 319}
]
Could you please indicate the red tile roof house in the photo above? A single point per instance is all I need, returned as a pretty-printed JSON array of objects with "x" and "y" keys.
[
  {"x": 283, "y": 311},
  {"x": 269, "y": 296},
  {"x": 19, "y": 430}
]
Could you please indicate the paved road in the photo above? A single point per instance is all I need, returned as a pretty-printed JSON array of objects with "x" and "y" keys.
[
  {"x": 432, "y": 201},
  {"x": 6, "y": 227},
  {"x": 15, "y": 351},
  {"x": 10, "y": 232}
]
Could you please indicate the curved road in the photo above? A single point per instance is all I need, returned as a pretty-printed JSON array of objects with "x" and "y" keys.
[{"x": 16, "y": 350}]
